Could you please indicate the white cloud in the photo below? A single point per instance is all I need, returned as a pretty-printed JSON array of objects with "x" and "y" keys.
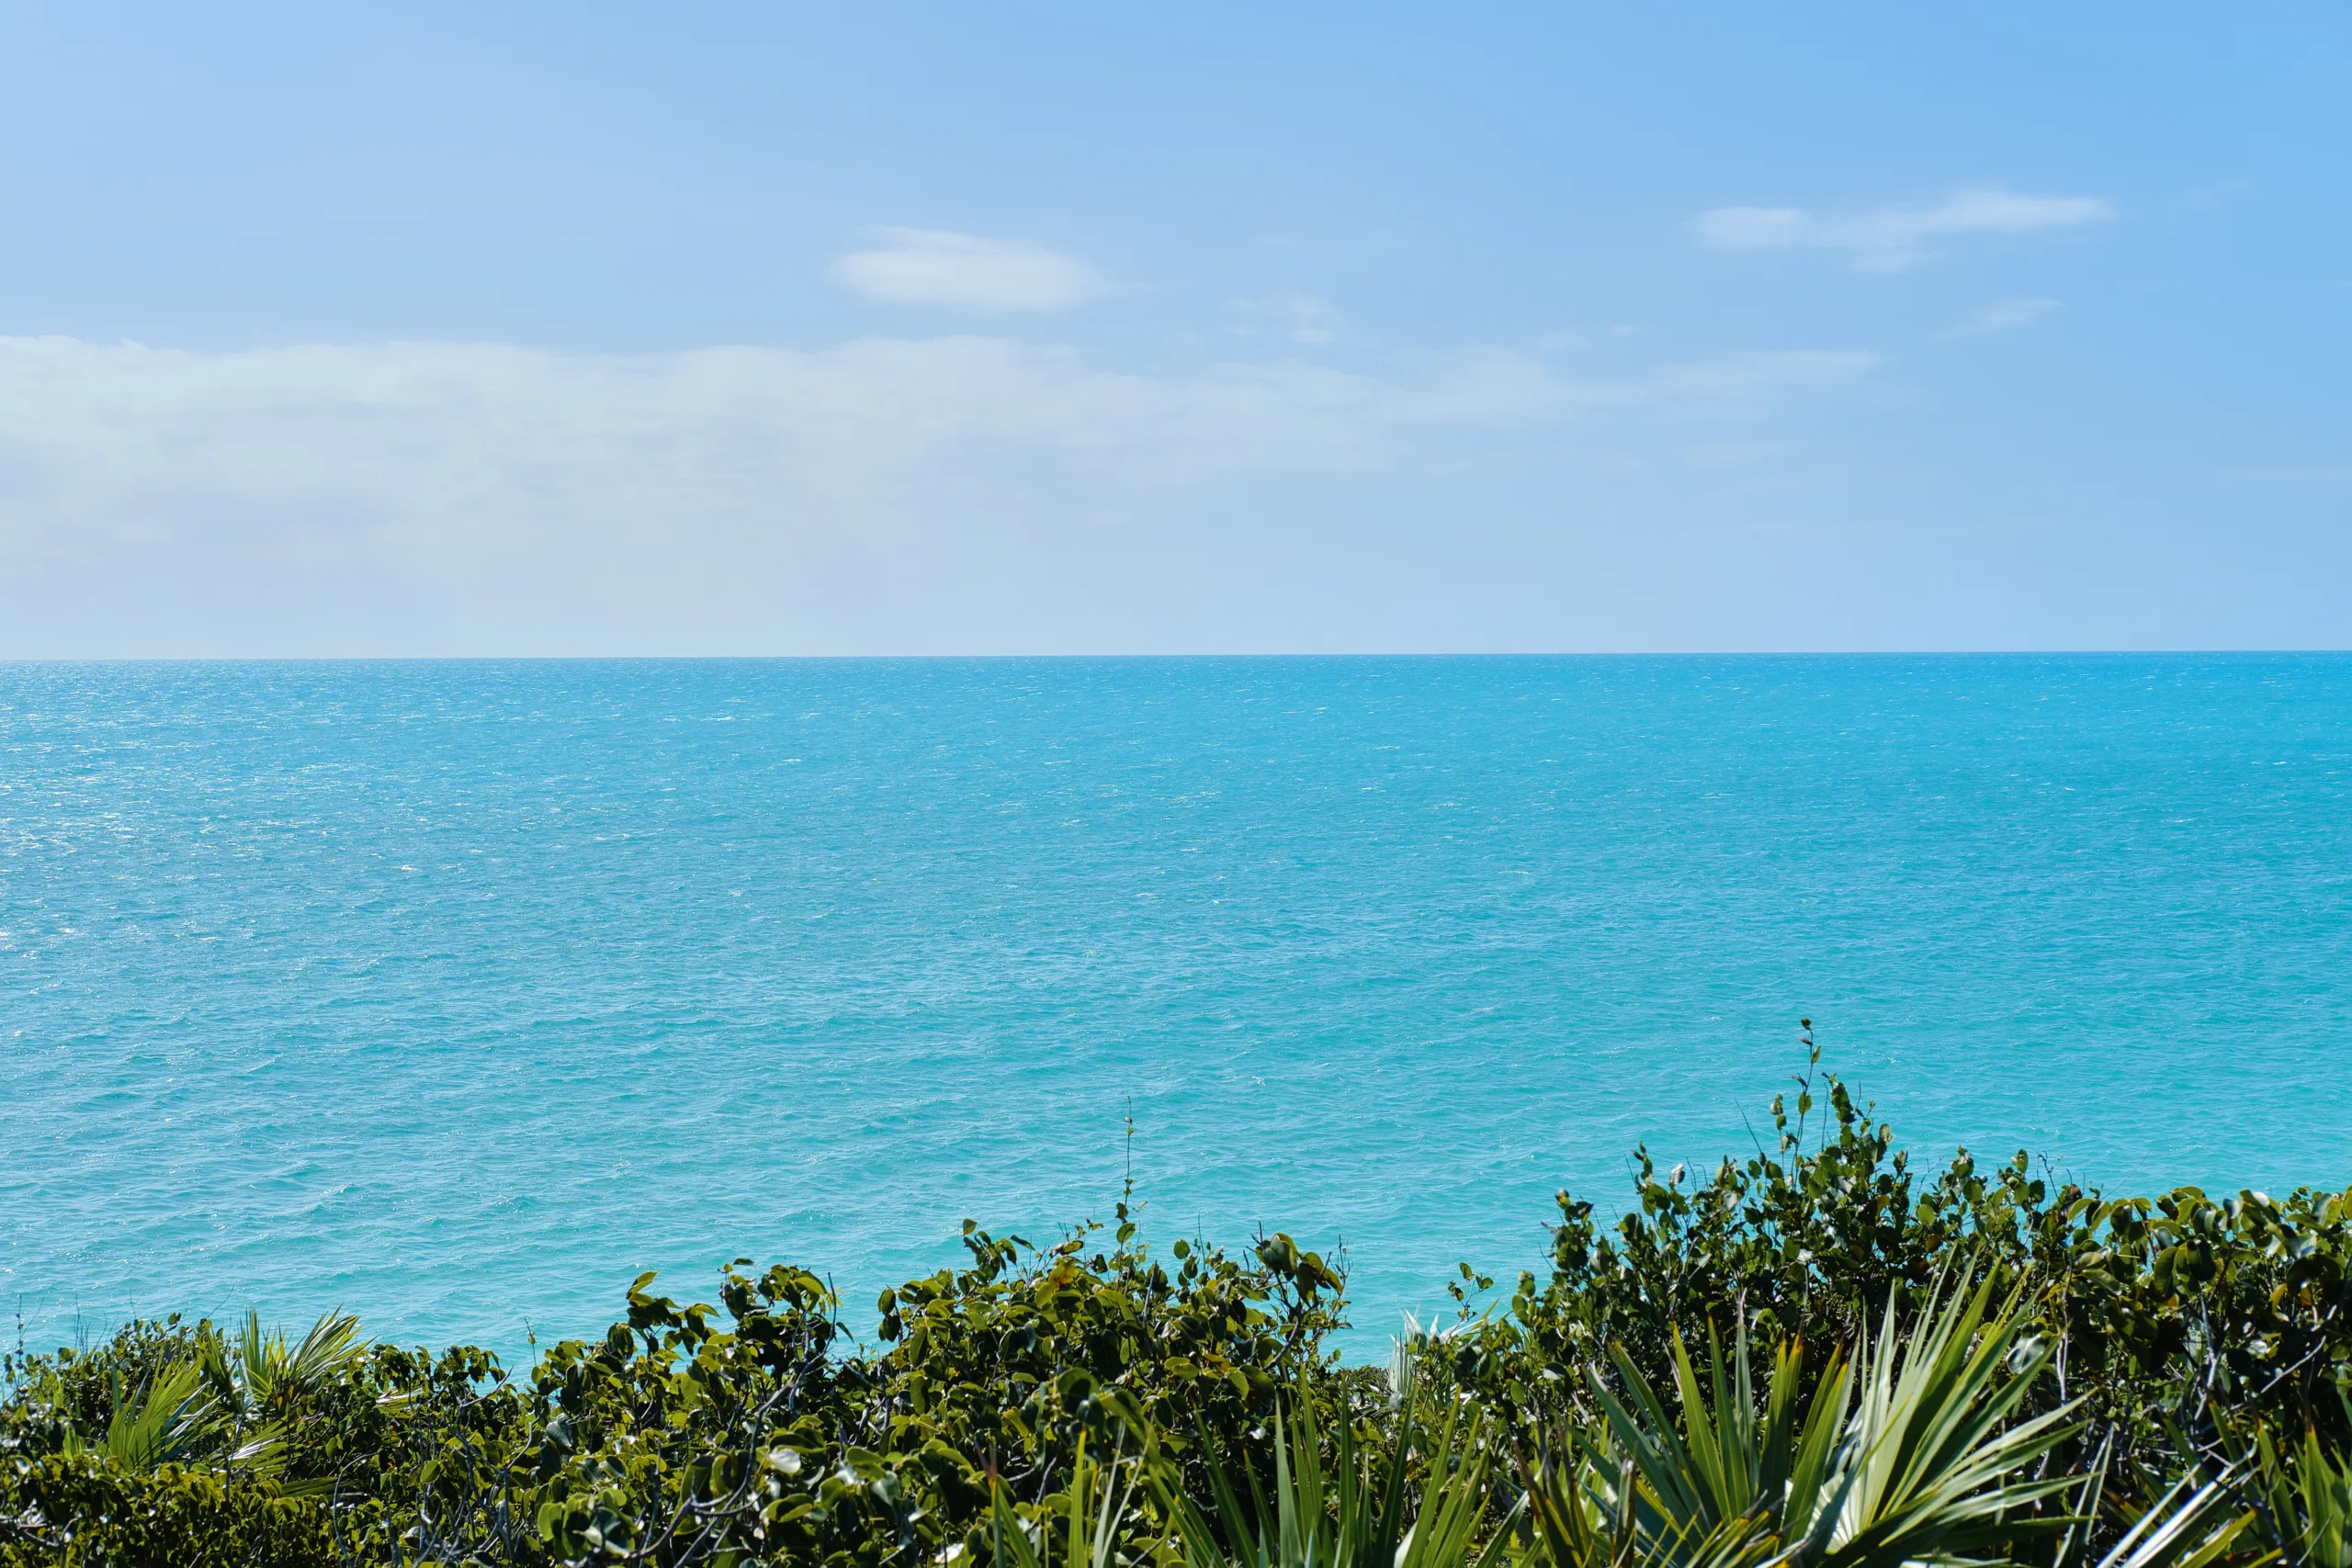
[
  {"x": 1302, "y": 318},
  {"x": 353, "y": 497},
  {"x": 1892, "y": 238},
  {"x": 933, "y": 266},
  {"x": 429, "y": 428},
  {"x": 2005, "y": 315}
]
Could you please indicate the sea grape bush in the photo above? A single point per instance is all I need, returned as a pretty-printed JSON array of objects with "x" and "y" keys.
[
  {"x": 2180, "y": 1318},
  {"x": 679, "y": 1439},
  {"x": 2182, "y": 1347},
  {"x": 688, "y": 1434}
]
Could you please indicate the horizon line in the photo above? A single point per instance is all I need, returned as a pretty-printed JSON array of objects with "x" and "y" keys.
[{"x": 2234, "y": 652}]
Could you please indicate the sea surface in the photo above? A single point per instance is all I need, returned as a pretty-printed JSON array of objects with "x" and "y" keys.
[{"x": 459, "y": 993}]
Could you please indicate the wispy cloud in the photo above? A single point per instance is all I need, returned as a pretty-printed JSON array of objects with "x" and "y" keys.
[
  {"x": 1302, "y": 318},
  {"x": 964, "y": 272},
  {"x": 2004, "y": 316},
  {"x": 1890, "y": 238}
]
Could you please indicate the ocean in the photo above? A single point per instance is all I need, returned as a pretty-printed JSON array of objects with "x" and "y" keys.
[{"x": 459, "y": 993}]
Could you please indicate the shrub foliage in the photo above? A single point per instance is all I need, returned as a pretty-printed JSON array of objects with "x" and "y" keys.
[{"x": 2143, "y": 1382}]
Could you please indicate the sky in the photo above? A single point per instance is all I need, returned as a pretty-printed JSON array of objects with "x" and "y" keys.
[{"x": 498, "y": 330}]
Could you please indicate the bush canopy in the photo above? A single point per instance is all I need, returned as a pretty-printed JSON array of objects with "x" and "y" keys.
[{"x": 1816, "y": 1356}]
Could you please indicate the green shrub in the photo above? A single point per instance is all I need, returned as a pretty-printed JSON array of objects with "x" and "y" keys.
[
  {"x": 680, "y": 1433},
  {"x": 2179, "y": 1347},
  {"x": 84, "y": 1510},
  {"x": 2169, "y": 1318}
]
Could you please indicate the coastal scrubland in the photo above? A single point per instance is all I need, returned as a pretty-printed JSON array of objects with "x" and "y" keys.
[{"x": 1817, "y": 1355}]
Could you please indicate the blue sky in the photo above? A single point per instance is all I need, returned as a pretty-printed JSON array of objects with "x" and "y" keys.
[{"x": 909, "y": 330}]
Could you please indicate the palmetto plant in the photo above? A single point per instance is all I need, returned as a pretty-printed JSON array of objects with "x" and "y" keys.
[
  {"x": 2304, "y": 1507},
  {"x": 1637, "y": 1492},
  {"x": 259, "y": 1371},
  {"x": 1911, "y": 1452},
  {"x": 225, "y": 1407},
  {"x": 2189, "y": 1527},
  {"x": 165, "y": 1421},
  {"x": 1361, "y": 1511},
  {"x": 1095, "y": 1507},
  {"x": 177, "y": 1419}
]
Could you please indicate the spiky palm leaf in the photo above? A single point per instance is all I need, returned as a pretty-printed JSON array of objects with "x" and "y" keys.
[
  {"x": 2194, "y": 1530},
  {"x": 1910, "y": 1454},
  {"x": 2308, "y": 1503},
  {"x": 1722, "y": 1483},
  {"x": 1931, "y": 1466},
  {"x": 178, "y": 1419},
  {"x": 1353, "y": 1514},
  {"x": 269, "y": 1370},
  {"x": 1093, "y": 1509},
  {"x": 1579, "y": 1520},
  {"x": 165, "y": 1422}
]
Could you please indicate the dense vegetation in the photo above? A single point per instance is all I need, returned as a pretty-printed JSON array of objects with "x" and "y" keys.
[{"x": 1815, "y": 1357}]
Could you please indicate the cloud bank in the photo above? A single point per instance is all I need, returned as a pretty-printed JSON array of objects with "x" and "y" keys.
[
  {"x": 933, "y": 266},
  {"x": 327, "y": 481},
  {"x": 423, "y": 428},
  {"x": 1893, "y": 238}
]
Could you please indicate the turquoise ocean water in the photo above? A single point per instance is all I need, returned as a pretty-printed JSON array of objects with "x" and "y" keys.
[{"x": 459, "y": 993}]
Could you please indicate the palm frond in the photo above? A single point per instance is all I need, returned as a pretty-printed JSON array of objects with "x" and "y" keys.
[
  {"x": 2196, "y": 1533},
  {"x": 166, "y": 1422},
  {"x": 1931, "y": 1467},
  {"x": 268, "y": 1370},
  {"x": 2304, "y": 1494},
  {"x": 1354, "y": 1513},
  {"x": 1093, "y": 1506},
  {"x": 1912, "y": 1452}
]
